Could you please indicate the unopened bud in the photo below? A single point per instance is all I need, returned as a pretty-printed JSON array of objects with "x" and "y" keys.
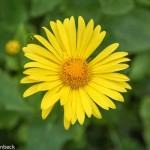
[{"x": 13, "y": 47}]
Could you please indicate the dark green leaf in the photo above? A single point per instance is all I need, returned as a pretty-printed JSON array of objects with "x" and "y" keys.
[
  {"x": 10, "y": 98},
  {"x": 116, "y": 7},
  {"x": 47, "y": 136},
  {"x": 11, "y": 63},
  {"x": 127, "y": 143},
  {"x": 144, "y": 2},
  {"x": 40, "y": 7},
  {"x": 131, "y": 30},
  {"x": 21, "y": 34},
  {"x": 88, "y": 9},
  {"x": 12, "y": 14},
  {"x": 140, "y": 66},
  {"x": 8, "y": 120},
  {"x": 145, "y": 116}
]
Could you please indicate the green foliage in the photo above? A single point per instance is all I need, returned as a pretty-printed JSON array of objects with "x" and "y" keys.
[
  {"x": 140, "y": 70},
  {"x": 145, "y": 116},
  {"x": 41, "y": 7},
  {"x": 144, "y": 2},
  {"x": 116, "y": 7},
  {"x": 126, "y": 128},
  {"x": 10, "y": 96},
  {"x": 53, "y": 136},
  {"x": 131, "y": 30}
]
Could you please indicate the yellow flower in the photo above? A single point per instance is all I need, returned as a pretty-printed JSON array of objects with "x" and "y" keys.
[
  {"x": 61, "y": 69},
  {"x": 13, "y": 47}
]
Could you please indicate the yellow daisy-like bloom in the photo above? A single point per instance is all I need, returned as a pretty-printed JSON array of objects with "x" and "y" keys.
[
  {"x": 13, "y": 47},
  {"x": 60, "y": 68}
]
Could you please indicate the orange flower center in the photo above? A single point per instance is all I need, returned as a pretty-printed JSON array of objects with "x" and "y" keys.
[{"x": 75, "y": 72}]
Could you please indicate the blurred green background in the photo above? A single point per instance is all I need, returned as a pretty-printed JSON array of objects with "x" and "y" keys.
[{"x": 126, "y": 128}]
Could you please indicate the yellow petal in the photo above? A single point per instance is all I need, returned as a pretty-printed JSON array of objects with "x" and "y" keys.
[
  {"x": 109, "y": 68},
  {"x": 66, "y": 124},
  {"x": 118, "y": 61},
  {"x": 106, "y": 52},
  {"x": 72, "y": 34},
  {"x": 34, "y": 48},
  {"x": 46, "y": 112},
  {"x": 111, "y": 63},
  {"x": 52, "y": 39},
  {"x": 94, "y": 40},
  {"x": 80, "y": 109},
  {"x": 94, "y": 43},
  {"x": 50, "y": 98},
  {"x": 74, "y": 105},
  {"x": 113, "y": 76},
  {"x": 111, "y": 103},
  {"x": 36, "y": 88},
  {"x": 113, "y": 56},
  {"x": 68, "y": 109},
  {"x": 47, "y": 45},
  {"x": 39, "y": 59},
  {"x": 27, "y": 80},
  {"x": 41, "y": 87},
  {"x": 67, "y": 29},
  {"x": 81, "y": 28},
  {"x": 108, "y": 84},
  {"x": 63, "y": 35},
  {"x": 64, "y": 94},
  {"x": 42, "y": 66},
  {"x": 110, "y": 93},
  {"x": 42, "y": 78},
  {"x": 86, "y": 37},
  {"x": 85, "y": 102},
  {"x": 95, "y": 110},
  {"x": 126, "y": 85},
  {"x": 73, "y": 119},
  {"x": 97, "y": 97},
  {"x": 38, "y": 71},
  {"x": 57, "y": 35}
]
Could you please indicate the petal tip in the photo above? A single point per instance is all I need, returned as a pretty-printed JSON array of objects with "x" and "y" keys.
[
  {"x": 43, "y": 116},
  {"x": 24, "y": 49},
  {"x": 114, "y": 107},
  {"x": 25, "y": 94},
  {"x": 66, "y": 128},
  {"x": 103, "y": 33},
  {"x": 35, "y": 36},
  {"x": 22, "y": 81}
]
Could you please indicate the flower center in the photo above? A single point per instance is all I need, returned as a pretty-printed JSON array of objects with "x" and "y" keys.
[{"x": 75, "y": 72}]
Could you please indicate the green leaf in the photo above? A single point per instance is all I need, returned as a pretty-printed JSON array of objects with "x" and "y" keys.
[
  {"x": 8, "y": 119},
  {"x": 47, "y": 136},
  {"x": 128, "y": 143},
  {"x": 140, "y": 67},
  {"x": 12, "y": 14},
  {"x": 21, "y": 34},
  {"x": 116, "y": 7},
  {"x": 145, "y": 116},
  {"x": 141, "y": 88},
  {"x": 131, "y": 30},
  {"x": 144, "y": 2},
  {"x": 11, "y": 99},
  {"x": 88, "y": 9},
  {"x": 11, "y": 63},
  {"x": 41, "y": 7},
  {"x": 144, "y": 109},
  {"x": 21, "y": 135}
]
